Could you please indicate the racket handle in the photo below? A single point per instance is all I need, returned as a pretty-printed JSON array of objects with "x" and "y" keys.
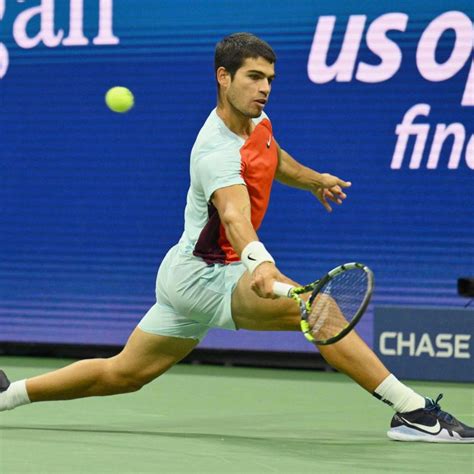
[{"x": 282, "y": 289}]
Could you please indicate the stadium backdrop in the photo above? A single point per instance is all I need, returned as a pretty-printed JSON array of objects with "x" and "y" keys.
[{"x": 90, "y": 201}]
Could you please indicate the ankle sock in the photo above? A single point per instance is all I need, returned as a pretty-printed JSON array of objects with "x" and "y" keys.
[
  {"x": 14, "y": 396},
  {"x": 400, "y": 397}
]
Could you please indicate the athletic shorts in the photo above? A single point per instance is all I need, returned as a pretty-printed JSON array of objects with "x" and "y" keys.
[{"x": 191, "y": 296}]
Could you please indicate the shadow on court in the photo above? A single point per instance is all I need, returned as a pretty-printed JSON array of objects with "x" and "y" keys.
[{"x": 287, "y": 443}]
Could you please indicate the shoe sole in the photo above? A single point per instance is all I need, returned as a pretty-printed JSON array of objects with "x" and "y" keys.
[{"x": 402, "y": 433}]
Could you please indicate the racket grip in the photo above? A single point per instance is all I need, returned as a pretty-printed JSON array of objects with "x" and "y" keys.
[{"x": 282, "y": 289}]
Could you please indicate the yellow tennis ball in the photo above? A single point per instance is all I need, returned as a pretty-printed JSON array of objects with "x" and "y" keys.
[{"x": 119, "y": 99}]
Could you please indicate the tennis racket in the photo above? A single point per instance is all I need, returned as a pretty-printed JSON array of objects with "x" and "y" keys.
[{"x": 337, "y": 303}]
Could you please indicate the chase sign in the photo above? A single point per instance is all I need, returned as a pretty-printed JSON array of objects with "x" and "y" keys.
[{"x": 426, "y": 343}]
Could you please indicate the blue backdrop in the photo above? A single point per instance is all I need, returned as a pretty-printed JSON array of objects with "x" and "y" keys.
[{"x": 90, "y": 201}]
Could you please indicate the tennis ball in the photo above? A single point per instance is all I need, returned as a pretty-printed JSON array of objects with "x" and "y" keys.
[{"x": 119, "y": 99}]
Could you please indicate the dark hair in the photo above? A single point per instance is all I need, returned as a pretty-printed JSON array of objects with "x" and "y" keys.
[{"x": 234, "y": 49}]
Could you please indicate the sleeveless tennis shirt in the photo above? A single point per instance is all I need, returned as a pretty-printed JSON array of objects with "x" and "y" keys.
[{"x": 220, "y": 158}]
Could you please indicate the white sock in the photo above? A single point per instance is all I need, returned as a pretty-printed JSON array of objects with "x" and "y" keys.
[
  {"x": 15, "y": 396},
  {"x": 400, "y": 397}
]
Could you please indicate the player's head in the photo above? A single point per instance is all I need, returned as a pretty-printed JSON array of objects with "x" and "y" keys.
[
  {"x": 234, "y": 49},
  {"x": 244, "y": 66}
]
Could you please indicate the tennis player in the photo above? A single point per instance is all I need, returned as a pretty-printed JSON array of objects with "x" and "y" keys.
[{"x": 221, "y": 275}]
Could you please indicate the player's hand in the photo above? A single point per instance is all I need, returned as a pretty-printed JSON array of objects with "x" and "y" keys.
[
  {"x": 330, "y": 188},
  {"x": 263, "y": 278}
]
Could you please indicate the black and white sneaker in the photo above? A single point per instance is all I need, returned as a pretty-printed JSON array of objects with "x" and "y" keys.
[
  {"x": 4, "y": 382},
  {"x": 431, "y": 425}
]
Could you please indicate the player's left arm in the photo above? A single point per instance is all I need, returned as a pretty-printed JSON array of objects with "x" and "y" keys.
[{"x": 323, "y": 185}]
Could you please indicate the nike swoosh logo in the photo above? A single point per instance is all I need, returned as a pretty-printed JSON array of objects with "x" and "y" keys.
[
  {"x": 251, "y": 258},
  {"x": 269, "y": 142},
  {"x": 435, "y": 429}
]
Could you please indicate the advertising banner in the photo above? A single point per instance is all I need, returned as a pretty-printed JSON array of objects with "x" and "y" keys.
[
  {"x": 377, "y": 93},
  {"x": 426, "y": 343}
]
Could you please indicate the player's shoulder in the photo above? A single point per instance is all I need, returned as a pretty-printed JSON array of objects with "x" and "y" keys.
[{"x": 214, "y": 137}]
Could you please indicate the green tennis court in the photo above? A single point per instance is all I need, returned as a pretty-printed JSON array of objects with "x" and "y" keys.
[{"x": 207, "y": 419}]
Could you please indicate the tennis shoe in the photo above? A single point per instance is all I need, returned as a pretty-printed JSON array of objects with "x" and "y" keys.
[
  {"x": 4, "y": 382},
  {"x": 431, "y": 425}
]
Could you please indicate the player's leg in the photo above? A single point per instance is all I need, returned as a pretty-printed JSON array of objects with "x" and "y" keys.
[
  {"x": 417, "y": 418},
  {"x": 163, "y": 337},
  {"x": 351, "y": 355},
  {"x": 144, "y": 357}
]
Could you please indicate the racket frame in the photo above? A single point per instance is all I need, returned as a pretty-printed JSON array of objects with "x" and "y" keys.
[{"x": 316, "y": 286}]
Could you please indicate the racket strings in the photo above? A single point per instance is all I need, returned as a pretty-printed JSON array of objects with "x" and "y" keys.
[{"x": 337, "y": 303}]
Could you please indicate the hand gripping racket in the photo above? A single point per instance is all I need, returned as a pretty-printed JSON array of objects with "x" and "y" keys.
[{"x": 337, "y": 302}]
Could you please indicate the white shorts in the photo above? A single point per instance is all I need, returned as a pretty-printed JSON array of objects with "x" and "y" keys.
[{"x": 191, "y": 296}]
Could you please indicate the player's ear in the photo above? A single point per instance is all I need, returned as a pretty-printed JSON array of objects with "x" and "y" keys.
[{"x": 223, "y": 77}]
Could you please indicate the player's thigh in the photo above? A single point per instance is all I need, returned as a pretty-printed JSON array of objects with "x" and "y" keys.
[
  {"x": 146, "y": 355},
  {"x": 249, "y": 311}
]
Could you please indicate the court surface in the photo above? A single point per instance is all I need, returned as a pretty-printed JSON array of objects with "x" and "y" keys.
[{"x": 207, "y": 419}]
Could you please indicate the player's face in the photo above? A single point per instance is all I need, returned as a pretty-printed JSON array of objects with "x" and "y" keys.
[{"x": 249, "y": 90}]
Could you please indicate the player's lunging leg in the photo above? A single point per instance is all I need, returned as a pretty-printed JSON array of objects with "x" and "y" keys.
[
  {"x": 144, "y": 358},
  {"x": 417, "y": 418}
]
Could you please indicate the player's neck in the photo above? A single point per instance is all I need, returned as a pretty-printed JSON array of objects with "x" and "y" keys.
[{"x": 235, "y": 121}]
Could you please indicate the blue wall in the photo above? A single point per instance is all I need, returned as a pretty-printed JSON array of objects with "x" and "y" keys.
[{"x": 90, "y": 200}]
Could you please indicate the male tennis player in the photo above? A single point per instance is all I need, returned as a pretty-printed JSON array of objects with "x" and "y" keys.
[{"x": 221, "y": 275}]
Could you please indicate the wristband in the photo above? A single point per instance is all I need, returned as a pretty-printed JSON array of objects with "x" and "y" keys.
[{"x": 254, "y": 254}]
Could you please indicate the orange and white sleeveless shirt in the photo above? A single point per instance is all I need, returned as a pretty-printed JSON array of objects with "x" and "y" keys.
[{"x": 219, "y": 159}]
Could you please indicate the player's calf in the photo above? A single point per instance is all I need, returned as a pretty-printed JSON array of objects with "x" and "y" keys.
[{"x": 86, "y": 378}]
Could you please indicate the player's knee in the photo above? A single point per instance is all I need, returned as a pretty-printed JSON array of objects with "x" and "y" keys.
[
  {"x": 128, "y": 383},
  {"x": 131, "y": 384},
  {"x": 125, "y": 380}
]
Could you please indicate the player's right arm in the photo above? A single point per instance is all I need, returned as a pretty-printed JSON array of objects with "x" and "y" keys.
[{"x": 233, "y": 205}]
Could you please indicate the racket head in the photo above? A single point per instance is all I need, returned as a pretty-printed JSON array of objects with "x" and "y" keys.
[{"x": 337, "y": 303}]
